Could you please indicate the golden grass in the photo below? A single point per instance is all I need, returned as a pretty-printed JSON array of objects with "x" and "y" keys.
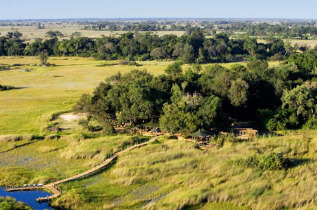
[
  {"x": 43, "y": 161},
  {"x": 16, "y": 138},
  {"x": 30, "y": 33},
  {"x": 175, "y": 175},
  {"x": 52, "y": 89},
  {"x": 310, "y": 43}
]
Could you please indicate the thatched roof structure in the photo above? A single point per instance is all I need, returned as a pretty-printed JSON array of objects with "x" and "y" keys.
[{"x": 201, "y": 134}]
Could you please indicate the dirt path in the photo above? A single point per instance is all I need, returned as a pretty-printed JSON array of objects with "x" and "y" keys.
[{"x": 53, "y": 186}]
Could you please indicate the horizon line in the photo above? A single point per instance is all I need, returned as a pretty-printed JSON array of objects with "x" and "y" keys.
[{"x": 159, "y": 18}]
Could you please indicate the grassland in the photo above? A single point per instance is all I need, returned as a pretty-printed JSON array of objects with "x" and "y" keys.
[
  {"x": 167, "y": 174},
  {"x": 30, "y": 33},
  {"x": 47, "y": 90},
  {"x": 172, "y": 174},
  {"x": 310, "y": 43},
  {"x": 43, "y": 161}
]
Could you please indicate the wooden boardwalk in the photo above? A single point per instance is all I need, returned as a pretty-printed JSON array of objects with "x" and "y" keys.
[{"x": 52, "y": 187}]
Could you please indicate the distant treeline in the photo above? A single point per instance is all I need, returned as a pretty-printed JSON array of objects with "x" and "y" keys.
[
  {"x": 297, "y": 31},
  {"x": 192, "y": 48},
  {"x": 283, "y": 29}
]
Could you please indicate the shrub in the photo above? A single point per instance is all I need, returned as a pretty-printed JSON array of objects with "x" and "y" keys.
[
  {"x": 129, "y": 63},
  {"x": 11, "y": 203},
  {"x": 73, "y": 137},
  {"x": 2, "y": 68},
  {"x": 43, "y": 56},
  {"x": 3, "y": 88},
  {"x": 83, "y": 123},
  {"x": 72, "y": 199},
  {"x": 282, "y": 120},
  {"x": 16, "y": 64},
  {"x": 16, "y": 138},
  {"x": 52, "y": 137},
  {"x": 272, "y": 161},
  {"x": 53, "y": 127},
  {"x": 311, "y": 123},
  {"x": 108, "y": 129}
]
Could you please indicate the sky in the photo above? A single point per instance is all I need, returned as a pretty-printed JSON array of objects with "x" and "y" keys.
[{"x": 59, "y": 9}]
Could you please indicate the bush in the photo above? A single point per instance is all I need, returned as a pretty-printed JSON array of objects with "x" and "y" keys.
[
  {"x": 282, "y": 120},
  {"x": 129, "y": 63},
  {"x": 3, "y": 88},
  {"x": 2, "y": 68},
  {"x": 52, "y": 137},
  {"x": 16, "y": 64},
  {"x": 108, "y": 129},
  {"x": 53, "y": 127},
  {"x": 83, "y": 123},
  {"x": 272, "y": 161},
  {"x": 11, "y": 203},
  {"x": 311, "y": 123},
  {"x": 93, "y": 128},
  {"x": 16, "y": 138}
]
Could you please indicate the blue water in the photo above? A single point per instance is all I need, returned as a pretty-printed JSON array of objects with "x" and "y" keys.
[{"x": 28, "y": 197}]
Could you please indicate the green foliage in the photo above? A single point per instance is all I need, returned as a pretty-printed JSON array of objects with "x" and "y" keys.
[
  {"x": 3, "y": 88},
  {"x": 311, "y": 123},
  {"x": 158, "y": 53},
  {"x": 174, "y": 70},
  {"x": 52, "y": 33},
  {"x": 238, "y": 92},
  {"x": 193, "y": 47},
  {"x": 251, "y": 46},
  {"x": 270, "y": 161},
  {"x": 302, "y": 99},
  {"x": 9, "y": 203},
  {"x": 186, "y": 102},
  {"x": 188, "y": 113},
  {"x": 120, "y": 100},
  {"x": 70, "y": 200},
  {"x": 282, "y": 120},
  {"x": 306, "y": 62},
  {"x": 43, "y": 58}
]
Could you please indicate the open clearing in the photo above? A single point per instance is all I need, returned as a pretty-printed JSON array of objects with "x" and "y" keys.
[
  {"x": 69, "y": 117},
  {"x": 51, "y": 89}
]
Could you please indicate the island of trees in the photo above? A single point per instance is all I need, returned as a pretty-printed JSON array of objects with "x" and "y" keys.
[{"x": 184, "y": 101}]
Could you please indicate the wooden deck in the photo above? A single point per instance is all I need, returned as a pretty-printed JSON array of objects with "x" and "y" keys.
[{"x": 52, "y": 187}]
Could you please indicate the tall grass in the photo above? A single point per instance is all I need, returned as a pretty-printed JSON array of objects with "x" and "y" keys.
[
  {"x": 16, "y": 137},
  {"x": 43, "y": 161},
  {"x": 175, "y": 175}
]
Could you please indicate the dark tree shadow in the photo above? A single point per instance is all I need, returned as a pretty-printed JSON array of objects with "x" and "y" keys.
[{"x": 294, "y": 162}]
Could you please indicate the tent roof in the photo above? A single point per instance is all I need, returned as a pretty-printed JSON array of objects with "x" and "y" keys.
[{"x": 200, "y": 133}]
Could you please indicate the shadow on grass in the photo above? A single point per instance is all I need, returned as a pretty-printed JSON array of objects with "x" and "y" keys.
[
  {"x": 36, "y": 139},
  {"x": 7, "y": 88},
  {"x": 106, "y": 64},
  {"x": 294, "y": 162}
]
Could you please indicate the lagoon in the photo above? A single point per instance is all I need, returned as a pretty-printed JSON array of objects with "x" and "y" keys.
[{"x": 28, "y": 197}]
